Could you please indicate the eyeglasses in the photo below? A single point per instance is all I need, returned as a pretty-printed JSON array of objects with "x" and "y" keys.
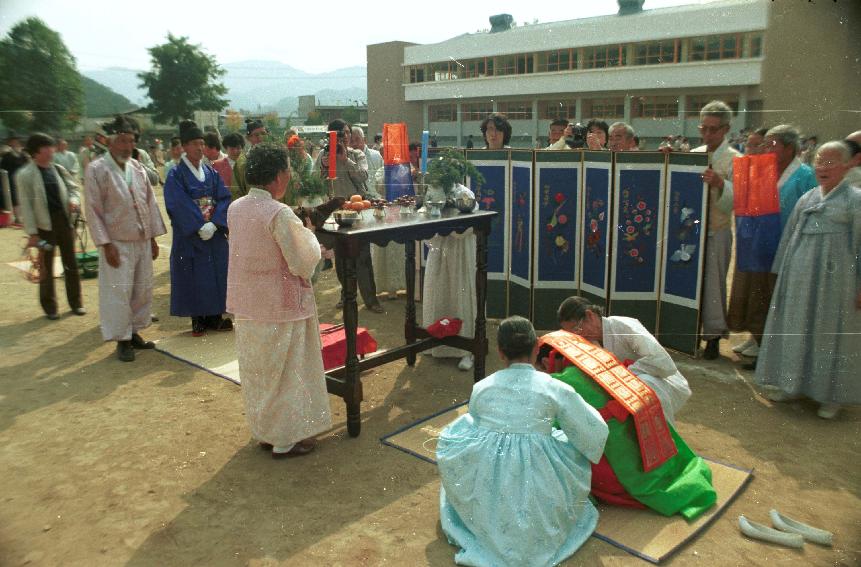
[
  {"x": 711, "y": 129},
  {"x": 826, "y": 164}
]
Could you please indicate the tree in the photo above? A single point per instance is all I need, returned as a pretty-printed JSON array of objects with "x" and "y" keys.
[
  {"x": 183, "y": 79},
  {"x": 39, "y": 79},
  {"x": 234, "y": 121},
  {"x": 350, "y": 115},
  {"x": 314, "y": 119}
]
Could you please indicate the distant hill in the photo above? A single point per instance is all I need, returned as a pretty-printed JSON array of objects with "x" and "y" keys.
[
  {"x": 99, "y": 100},
  {"x": 258, "y": 85},
  {"x": 121, "y": 80}
]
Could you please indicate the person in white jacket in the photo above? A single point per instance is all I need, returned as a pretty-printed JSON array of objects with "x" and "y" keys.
[{"x": 628, "y": 339}]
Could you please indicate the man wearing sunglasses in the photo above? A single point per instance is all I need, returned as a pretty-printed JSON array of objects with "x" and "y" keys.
[{"x": 714, "y": 126}]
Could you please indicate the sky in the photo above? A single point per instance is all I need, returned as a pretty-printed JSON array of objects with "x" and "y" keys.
[{"x": 302, "y": 34}]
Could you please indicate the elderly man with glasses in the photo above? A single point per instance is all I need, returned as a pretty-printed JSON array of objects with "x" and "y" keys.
[{"x": 714, "y": 126}]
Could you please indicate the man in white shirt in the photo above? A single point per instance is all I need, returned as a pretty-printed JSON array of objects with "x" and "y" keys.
[
  {"x": 375, "y": 159},
  {"x": 714, "y": 126},
  {"x": 67, "y": 158}
]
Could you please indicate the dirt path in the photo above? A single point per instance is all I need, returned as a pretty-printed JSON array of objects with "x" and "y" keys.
[{"x": 151, "y": 463}]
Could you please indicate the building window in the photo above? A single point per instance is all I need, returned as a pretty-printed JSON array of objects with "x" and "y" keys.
[
  {"x": 417, "y": 74},
  {"x": 558, "y": 60},
  {"x": 474, "y": 68},
  {"x": 476, "y": 110},
  {"x": 443, "y": 71},
  {"x": 516, "y": 110},
  {"x": 654, "y": 107},
  {"x": 656, "y": 52},
  {"x": 553, "y": 109},
  {"x": 604, "y": 56},
  {"x": 756, "y": 45},
  {"x": 442, "y": 113},
  {"x": 606, "y": 109},
  {"x": 696, "y": 102},
  {"x": 715, "y": 47}
]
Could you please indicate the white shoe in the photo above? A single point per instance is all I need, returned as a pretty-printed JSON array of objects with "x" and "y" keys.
[
  {"x": 771, "y": 535},
  {"x": 466, "y": 362},
  {"x": 786, "y": 524},
  {"x": 828, "y": 411},
  {"x": 743, "y": 346},
  {"x": 752, "y": 351}
]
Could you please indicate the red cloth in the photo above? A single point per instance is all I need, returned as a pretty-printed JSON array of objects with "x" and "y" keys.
[
  {"x": 607, "y": 488},
  {"x": 335, "y": 345},
  {"x": 396, "y": 144},
  {"x": 445, "y": 327}
]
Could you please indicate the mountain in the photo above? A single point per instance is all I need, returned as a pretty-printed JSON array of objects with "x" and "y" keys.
[
  {"x": 258, "y": 85},
  {"x": 121, "y": 80},
  {"x": 99, "y": 100}
]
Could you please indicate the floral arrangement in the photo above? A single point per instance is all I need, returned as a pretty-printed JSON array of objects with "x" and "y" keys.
[{"x": 449, "y": 168}]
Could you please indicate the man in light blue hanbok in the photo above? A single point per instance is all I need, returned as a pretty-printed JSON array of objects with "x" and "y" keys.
[{"x": 515, "y": 491}]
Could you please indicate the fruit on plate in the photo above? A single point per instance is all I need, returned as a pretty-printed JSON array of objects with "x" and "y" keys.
[{"x": 356, "y": 199}]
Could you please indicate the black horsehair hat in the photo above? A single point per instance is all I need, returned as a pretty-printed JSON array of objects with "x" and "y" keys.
[{"x": 188, "y": 131}]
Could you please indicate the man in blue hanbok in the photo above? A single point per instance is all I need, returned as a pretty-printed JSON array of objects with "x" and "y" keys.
[{"x": 196, "y": 201}]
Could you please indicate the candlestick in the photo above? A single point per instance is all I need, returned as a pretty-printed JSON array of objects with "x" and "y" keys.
[
  {"x": 333, "y": 154},
  {"x": 425, "y": 143}
]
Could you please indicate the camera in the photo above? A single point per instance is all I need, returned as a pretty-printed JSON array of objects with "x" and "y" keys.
[
  {"x": 340, "y": 148},
  {"x": 577, "y": 139}
]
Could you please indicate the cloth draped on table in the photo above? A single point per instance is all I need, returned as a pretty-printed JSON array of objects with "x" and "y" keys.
[
  {"x": 198, "y": 268},
  {"x": 514, "y": 491},
  {"x": 677, "y": 483},
  {"x": 449, "y": 286},
  {"x": 812, "y": 340}
]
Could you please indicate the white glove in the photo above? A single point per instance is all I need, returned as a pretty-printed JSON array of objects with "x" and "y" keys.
[{"x": 207, "y": 231}]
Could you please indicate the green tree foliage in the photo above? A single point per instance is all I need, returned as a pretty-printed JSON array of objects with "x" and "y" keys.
[
  {"x": 101, "y": 101},
  {"x": 350, "y": 115},
  {"x": 314, "y": 119},
  {"x": 183, "y": 79},
  {"x": 39, "y": 79}
]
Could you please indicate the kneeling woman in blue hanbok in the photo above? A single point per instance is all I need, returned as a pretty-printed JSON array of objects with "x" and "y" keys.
[{"x": 515, "y": 491}]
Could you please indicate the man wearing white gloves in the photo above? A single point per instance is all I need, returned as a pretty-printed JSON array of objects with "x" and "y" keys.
[
  {"x": 197, "y": 200},
  {"x": 124, "y": 220}
]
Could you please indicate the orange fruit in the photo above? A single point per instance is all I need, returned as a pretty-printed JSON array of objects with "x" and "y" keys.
[
  {"x": 367, "y": 204},
  {"x": 356, "y": 199}
]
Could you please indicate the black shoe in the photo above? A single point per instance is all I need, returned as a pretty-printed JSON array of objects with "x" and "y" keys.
[
  {"x": 749, "y": 365},
  {"x": 198, "y": 327},
  {"x": 125, "y": 351},
  {"x": 139, "y": 343},
  {"x": 52, "y": 316},
  {"x": 376, "y": 308},
  {"x": 219, "y": 324},
  {"x": 712, "y": 349},
  {"x": 153, "y": 318}
]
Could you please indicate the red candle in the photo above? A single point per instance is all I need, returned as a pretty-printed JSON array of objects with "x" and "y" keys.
[{"x": 333, "y": 153}]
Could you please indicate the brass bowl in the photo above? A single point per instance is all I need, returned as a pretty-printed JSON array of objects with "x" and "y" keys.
[
  {"x": 344, "y": 220},
  {"x": 465, "y": 204}
]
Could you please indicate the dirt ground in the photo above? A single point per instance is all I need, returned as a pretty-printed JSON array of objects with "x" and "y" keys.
[{"x": 151, "y": 463}]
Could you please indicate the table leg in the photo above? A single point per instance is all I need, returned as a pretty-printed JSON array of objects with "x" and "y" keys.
[
  {"x": 410, "y": 322},
  {"x": 479, "y": 345},
  {"x": 353, "y": 397}
]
